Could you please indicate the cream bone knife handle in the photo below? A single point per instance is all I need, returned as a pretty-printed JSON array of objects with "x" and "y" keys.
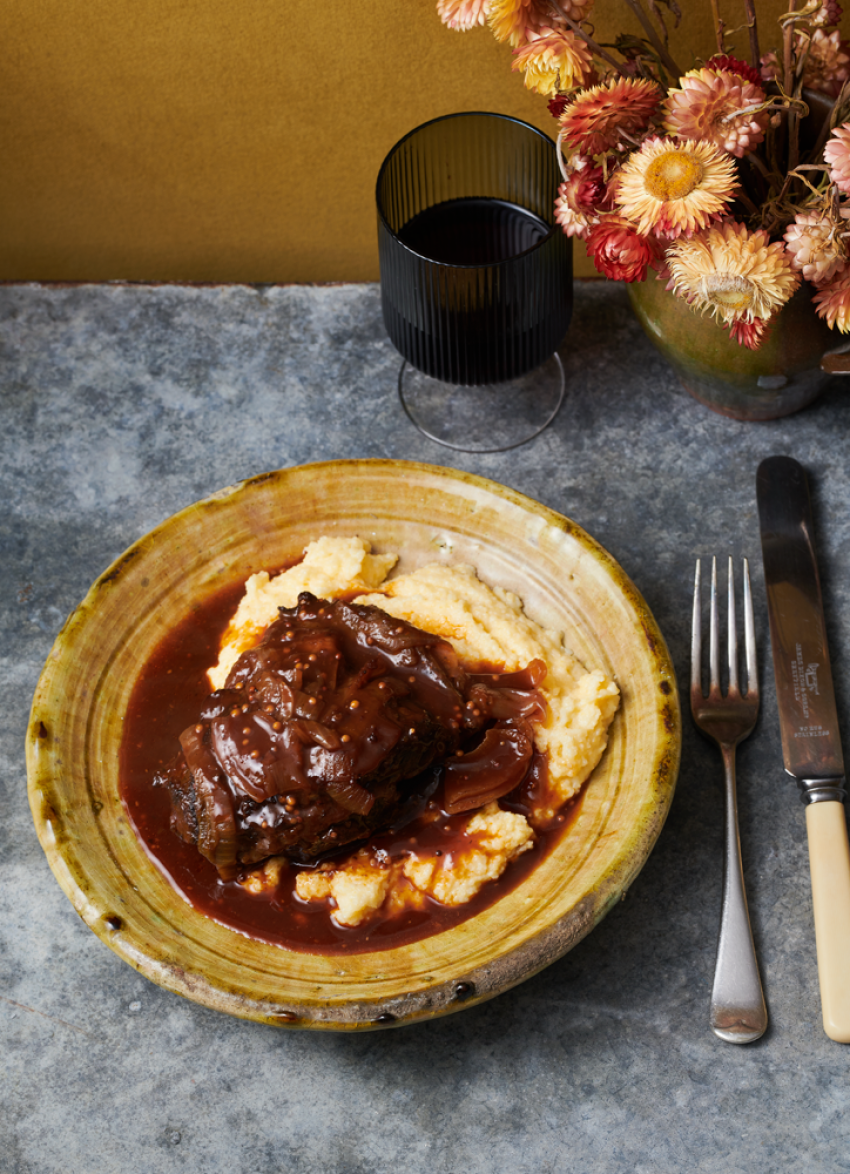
[{"x": 829, "y": 865}]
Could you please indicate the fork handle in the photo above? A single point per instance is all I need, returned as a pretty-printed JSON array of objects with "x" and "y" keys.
[
  {"x": 738, "y": 1010},
  {"x": 829, "y": 862}
]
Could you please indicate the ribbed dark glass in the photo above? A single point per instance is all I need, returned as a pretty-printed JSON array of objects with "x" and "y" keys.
[{"x": 476, "y": 277}]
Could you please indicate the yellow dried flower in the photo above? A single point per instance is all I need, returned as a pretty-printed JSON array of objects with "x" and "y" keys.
[
  {"x": 732, "y": 273},
  {"x": 510, "y": 20},
  {"x": 670, "y": 187},
  {"x": 553, "y": 59}
]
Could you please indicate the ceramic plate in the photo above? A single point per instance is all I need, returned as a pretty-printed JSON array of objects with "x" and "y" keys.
[{"x": 566, "y": 581}]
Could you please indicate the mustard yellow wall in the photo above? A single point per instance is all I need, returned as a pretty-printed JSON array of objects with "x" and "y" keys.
[{"x": 236, "y": 140}]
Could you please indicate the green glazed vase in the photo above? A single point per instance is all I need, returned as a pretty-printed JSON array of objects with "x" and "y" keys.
[{"x": 784, "y": 375}]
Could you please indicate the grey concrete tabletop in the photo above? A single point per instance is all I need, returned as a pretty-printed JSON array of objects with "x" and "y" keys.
[{"x": 121, "y": 404}]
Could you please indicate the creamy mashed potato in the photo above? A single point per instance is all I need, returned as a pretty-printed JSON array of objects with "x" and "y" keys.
[
  {"x": 330, "y": 567},
  {"x": 364, "y": 882},
  {"x": 484, "y": 625},
  {"x": 359, "y": 886},
  {"x": 496, "y": 838}
]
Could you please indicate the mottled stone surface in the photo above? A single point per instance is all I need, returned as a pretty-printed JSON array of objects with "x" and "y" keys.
[{"x": 120, "y": 405}]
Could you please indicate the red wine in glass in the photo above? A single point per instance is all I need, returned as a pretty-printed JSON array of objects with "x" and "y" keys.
[
  {"x": 473, "y": 231},
  {"x": 476, "y": 277}
]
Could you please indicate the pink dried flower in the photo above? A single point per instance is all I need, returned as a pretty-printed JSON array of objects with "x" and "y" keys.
[
  {"x": 770, "y": 68},
  {"x": 618, "y": 251},
  {"x": 832, "y": 301},
  {"x": 837, "y": 154},
  {"x": 828, "y": 15},
  {"x": 463, "y": 14},
  {"x": 717, "y": 107},
  {"x": 597, "y": 119},
  {"x": 816, "y": 244},
  {"x": 827, "y": 64}
]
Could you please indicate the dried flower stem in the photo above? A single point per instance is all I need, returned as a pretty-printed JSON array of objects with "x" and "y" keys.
[
  {"x": 789, "y": 62},
  {"x": 559, "y": 151},
  {"x": 755, "y": 54},
  {"x": 784, "y": 190},
  {"x": 718, "y": 24},
  {"x": 788, "y": 51},
  {"x": 815, "y": 191},
  {"x": 817, "y": 150},
  {"x": 751, "y": 207},
  {"x": 759, "y": 165},
  {"x": 659, "y": 46},
  {"x": 835, "y": 206},
  {"x": 591, "y": 44},
  {"x": 839, "y": 110}
]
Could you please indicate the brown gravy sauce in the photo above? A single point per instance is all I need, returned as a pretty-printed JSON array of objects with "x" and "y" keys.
[{"x": 164, "y": 700}]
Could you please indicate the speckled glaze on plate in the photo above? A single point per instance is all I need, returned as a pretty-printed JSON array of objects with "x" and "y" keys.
[{"x": 427, "y": 514}]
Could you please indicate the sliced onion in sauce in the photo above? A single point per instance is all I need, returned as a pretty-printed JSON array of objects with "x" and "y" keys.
[
  {"x": 505, "y": 704},
  {"x": 319, "y": 734},
  {"x": 497, "y": 765},
  {"x": 530, "y": 677},
  {"x": 350, "y": 795},
  {"x": 213, "y": 805}
]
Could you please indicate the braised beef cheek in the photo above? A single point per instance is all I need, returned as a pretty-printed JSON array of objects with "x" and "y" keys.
[{"x": 318, "y": 736}]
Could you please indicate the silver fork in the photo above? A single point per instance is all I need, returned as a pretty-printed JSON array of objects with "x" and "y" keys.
[{"x": 738, "y": 1011}]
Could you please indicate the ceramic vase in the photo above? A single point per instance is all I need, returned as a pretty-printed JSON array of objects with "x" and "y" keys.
[{"x": 788, "y": 371}]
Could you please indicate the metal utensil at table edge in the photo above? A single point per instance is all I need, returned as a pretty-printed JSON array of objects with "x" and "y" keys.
[
  {"x": 811, "y": 745},
  {"x": 738, "y": 1012}
]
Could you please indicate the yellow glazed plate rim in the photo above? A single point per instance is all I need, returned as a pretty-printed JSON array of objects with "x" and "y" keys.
[{"x": 427, "y": 513}]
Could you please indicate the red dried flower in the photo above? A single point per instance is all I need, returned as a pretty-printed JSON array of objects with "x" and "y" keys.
[
  {"x": 582, "y": 197},
  {"x": 749, "y": 334},
  {"x": 723, "y": 61},
  {"x": 596, "y": 119},
  {"x": 558, "y": 105},
  {"x": 618, "y": 251}
]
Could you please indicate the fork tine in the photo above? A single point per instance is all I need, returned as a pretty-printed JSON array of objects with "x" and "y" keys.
[
  {"x": 713, "y": 639},
  {"x": 732, "y": 634},
  {"x": 750, "y": 637},
  {"x": 696, "y": 640}
]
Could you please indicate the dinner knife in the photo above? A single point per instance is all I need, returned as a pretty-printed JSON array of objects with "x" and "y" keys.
[{"x": 811, "y": 746}]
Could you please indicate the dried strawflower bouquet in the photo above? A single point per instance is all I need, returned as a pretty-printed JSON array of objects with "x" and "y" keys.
[{"x": 731, "y": 180}]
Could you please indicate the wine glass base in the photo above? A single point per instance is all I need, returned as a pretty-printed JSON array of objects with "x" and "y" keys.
[{"x": 492, "y": 417}]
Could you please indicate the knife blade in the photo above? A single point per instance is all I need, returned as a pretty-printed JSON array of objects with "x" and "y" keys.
[{"x": 808, "y": 718}]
